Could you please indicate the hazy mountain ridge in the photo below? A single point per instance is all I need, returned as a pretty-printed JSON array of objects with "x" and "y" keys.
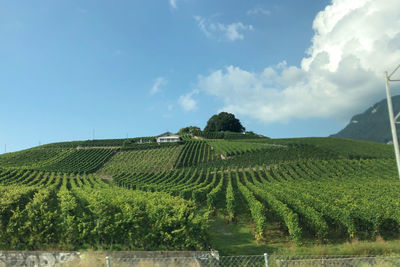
[{"x": 373, "y": 124}]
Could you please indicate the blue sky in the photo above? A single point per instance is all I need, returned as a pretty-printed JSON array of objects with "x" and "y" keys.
[{"x": 140, "y": 68}]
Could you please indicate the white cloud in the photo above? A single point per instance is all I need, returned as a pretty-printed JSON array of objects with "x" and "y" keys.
[
  {"x": 158, "y": 83},
  {"x": 258, "y": 10},
  {"x": 229, "y": 32},
  {"x": 187, "y": 102},
  {"x": 353, "y": 44},
  {"x": 173, "y": 4},
  {"x": 203, "y": 25}
]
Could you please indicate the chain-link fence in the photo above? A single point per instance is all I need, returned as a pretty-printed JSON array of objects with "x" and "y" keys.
[
  {"x": 333, "y": 260},
  {"x": 214, "y": 260},
  {"x": 189, "y": 259}
]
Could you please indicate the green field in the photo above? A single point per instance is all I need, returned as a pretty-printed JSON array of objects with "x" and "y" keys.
[{"x": 238, "y": 196}]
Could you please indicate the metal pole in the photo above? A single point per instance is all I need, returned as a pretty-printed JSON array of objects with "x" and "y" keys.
[
  {"x": 392, "y": 122},
  {"x": 266, "y": 259},
  {"x": 108, "y": 261}
]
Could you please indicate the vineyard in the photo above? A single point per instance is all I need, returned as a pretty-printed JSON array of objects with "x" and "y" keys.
[
  {"x": 29, "y": 158},
  {"x": 40, "y": 210},
  {"x": 148, "y": 160},
  {"x": 195, "y": 152},
  {"x": 166, "y": 197},
  {"x": 354, "y": 198},
  {"x": 80, "y": 161},
  {"x": 229, "y": 148}
]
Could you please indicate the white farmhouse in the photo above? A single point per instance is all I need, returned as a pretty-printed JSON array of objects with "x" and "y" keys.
[{"x": 168, "y": 137}]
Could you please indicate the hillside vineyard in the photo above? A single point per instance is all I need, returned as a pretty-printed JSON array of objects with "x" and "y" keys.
[{"x": 102, "y": 194}]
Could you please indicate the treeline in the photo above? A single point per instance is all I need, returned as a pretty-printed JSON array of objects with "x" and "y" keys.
[{"x": 228, "y": 135}]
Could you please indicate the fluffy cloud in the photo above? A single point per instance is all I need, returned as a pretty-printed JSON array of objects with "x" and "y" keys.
[
  {"x": 158, "y": 83},
  {"x": 187, "y": 102},
  {"x": 230, "y": 32},
  {"x": 173, "y": 4},
  {"x": 353, "y": 44}
]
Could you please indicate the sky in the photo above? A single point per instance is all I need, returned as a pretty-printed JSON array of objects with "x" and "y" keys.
[{"x": 77, "y": 70}]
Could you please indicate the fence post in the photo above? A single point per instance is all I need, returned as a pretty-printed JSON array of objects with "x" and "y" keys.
[
  {"x": 108, "y": 261},
  {"x": 266, "y": 259}
]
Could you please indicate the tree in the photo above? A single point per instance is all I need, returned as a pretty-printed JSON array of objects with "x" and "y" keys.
[
  {"x": 223, "y": 122},
  {"x": 193, "y": 130}
]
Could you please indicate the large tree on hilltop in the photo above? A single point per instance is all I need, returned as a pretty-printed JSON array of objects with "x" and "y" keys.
[{"x": 222, "y": 122}]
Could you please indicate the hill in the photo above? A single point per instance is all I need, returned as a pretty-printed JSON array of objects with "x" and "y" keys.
[
  {"x": 238, "y": 194},
  {"x": 373, "y": 124}
]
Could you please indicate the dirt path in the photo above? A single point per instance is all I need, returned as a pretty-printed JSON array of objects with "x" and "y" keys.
[
  {"x": 268, "y": 167},
  {"x": 98, "y": 147},
  {"x": 105, "y": 176}
]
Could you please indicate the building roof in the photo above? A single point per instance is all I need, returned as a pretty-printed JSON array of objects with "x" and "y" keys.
[{"x": 168, "y": 134}]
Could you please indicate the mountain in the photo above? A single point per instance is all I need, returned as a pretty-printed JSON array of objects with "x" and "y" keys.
[{"x": 373, "y": 124}]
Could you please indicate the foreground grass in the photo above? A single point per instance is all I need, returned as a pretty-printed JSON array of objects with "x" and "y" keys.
[{"x": 237, "y": 239}]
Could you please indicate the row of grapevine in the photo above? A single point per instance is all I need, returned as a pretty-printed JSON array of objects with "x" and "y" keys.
[
  {"x": 25, "y": 177},
  {"x": 279, "y": 209},
  {"x": 312, "y": 219},
  {"x": 338, "y": 201},
  {"x": 345, "y": 148},
  {"x": 216, "y": 194},
  {"x": 232, "y": 148},
  {"x": 282, "y": 190},
  {"x": 274, "y": 155},
  {"x": 199, "y": 184},
  {"x": 256, "y": 208},
  {"x": 195, "y": 152},
  {"x": 76, "y": 211},
  {"x": 81, "y": 160},
  {"x": 142, "y": 161},
  {"x": 97, "y": 143},
  {"x": 29, "y": 158},
  {"x": 230, "y": 135}
]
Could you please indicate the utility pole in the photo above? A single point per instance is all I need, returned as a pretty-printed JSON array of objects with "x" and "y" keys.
[
  {"x": 391, "y": 116},
  {"x": 5, "y": 148},
  {"x": 93, "y": 134}
]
